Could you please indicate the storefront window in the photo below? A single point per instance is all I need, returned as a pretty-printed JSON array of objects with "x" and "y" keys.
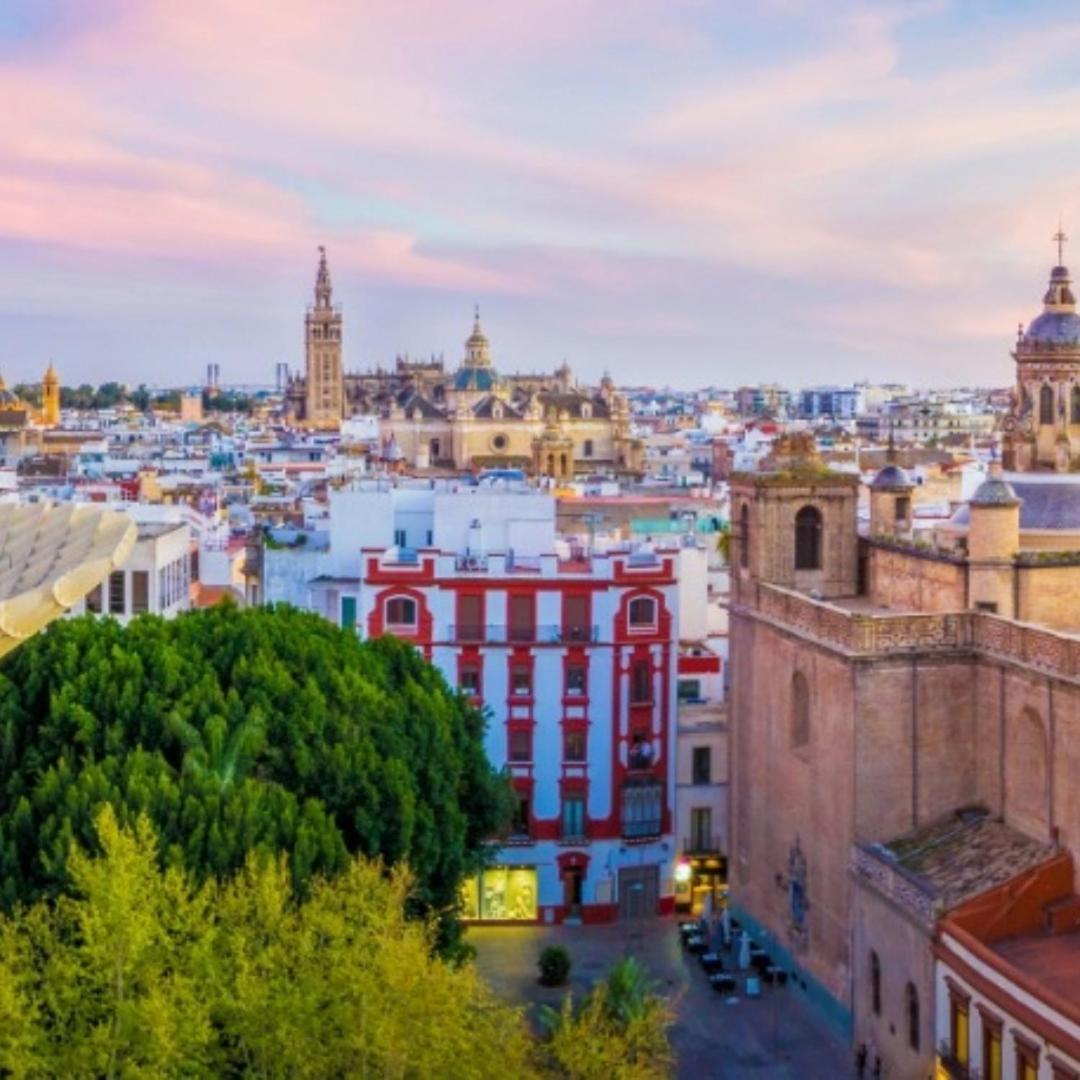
[{"x": 501, "y": 892}]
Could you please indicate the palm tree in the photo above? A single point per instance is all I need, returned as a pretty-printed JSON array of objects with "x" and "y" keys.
[{"x": 216, "y": 751}]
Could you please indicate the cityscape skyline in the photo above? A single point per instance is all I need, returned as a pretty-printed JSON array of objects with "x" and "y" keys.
[{"x": 611, "y": 195}]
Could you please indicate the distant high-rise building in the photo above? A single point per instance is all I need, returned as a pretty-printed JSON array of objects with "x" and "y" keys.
[
  {"x": 213, "y": 376},
  {"x": 322, "y": 355},
  {"x": 282, "y": 371}
]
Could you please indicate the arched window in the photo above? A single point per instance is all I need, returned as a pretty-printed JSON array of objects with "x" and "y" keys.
[
  {"x": 875, "y": 983},
  {"x": 800, "y": 711},
  {"x": 912, "y": 1003},
  {"x": 1074, "y": 411},
  {"x": 401, "y": 611},
  {"x": 744, "y": 536},
  {"x": 642, "y": 613},
  {"x": 808, "y": 539},
  {"x": 1046, "y": 405}
]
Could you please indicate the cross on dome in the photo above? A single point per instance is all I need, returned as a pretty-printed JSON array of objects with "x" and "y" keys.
[{"x": 1061, "y": 239}]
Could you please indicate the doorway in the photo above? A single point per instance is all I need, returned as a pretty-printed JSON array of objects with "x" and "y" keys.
[
  {"x": 573, "y": 882},
  {"x": 639, "y": 891}
]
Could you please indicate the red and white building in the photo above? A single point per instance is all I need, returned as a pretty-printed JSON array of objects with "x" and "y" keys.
[{"x": 573, "y": 653}]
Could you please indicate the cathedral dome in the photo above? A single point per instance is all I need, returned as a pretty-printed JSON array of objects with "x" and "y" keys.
[
  {"x": 1059, "y": 323},
  {"x": 1054, "y": 328}
]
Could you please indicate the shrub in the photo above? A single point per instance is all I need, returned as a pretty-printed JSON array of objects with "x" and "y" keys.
[{"x": 554, "y": 965}]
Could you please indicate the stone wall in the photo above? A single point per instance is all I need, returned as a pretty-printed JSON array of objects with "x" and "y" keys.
[
  {"x": 911, "y": 581},
  {"x": 894, "y": 919},
  {"x": 911, "y": 717}
]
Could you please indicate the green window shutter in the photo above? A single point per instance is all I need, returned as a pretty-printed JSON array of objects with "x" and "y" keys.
[{"x": 348, "y": 612}]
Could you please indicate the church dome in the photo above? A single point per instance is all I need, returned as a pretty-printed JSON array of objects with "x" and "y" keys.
[
  {"x": 994, "y": 491},
  {"x": 891, "y": 476},
  {"x": 1059, "y": 323},
  {"x": 474, "y": 378},
  {"x": 1054, "y": 328}
]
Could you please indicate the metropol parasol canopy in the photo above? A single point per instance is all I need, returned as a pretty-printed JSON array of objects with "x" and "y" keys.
[{"x": 51, "y": 556}]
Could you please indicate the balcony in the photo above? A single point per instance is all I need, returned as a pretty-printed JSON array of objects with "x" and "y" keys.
[
  {"x": 701, "y": 844},
  {"x": 642, "y": 805},
  {"x": 498, "y": 634},
  {"x": 641, "y": 829},
  {"x": 474, "y": 564}
]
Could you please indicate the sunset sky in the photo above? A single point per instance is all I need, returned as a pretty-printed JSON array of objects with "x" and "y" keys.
[{"x": 685, "y": 192}]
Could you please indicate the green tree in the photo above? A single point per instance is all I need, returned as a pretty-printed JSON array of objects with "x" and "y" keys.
[
  {"x": 238, "y": 731},
  {"x": 619, "y": 1031},
  {"x": 144, "y": 972}
]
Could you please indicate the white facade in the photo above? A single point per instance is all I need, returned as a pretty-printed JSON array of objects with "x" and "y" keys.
[
  {"x": 581, "y": 699},
  {"x": 155, "y": 578},
  {"x": 987, "y": 996}
]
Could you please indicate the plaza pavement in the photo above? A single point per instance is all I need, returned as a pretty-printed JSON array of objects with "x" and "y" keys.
[{"x": 778, "y": 1035}]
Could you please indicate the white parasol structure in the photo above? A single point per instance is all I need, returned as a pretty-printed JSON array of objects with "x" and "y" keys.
[{"x": 51, "y": 556}]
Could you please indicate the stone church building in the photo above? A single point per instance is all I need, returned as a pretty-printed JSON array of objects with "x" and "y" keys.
[
  {"x": 471, "y": 418},
  {"x": 905, "y": 724}
]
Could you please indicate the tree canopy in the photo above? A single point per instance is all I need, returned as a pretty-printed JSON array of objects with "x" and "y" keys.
[
  {"x": 236, "y": 731},
  {"x": 147, "y": 972},
  {"x": 143, "y": 972}
]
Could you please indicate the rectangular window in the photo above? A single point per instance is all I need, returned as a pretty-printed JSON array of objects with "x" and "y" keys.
[
  {"x": 506, "y": 893},
  {"x": 574, "y": 746},
  {"x": 520, "y": 824},
  {"x": 575, "y": 679},
  {"x": 986, "y": 605},
  {"x": 958, "y": 1017},
  {"x": 573, "y": 817},
  {"x": 520, "y": 680},
  {"x": 399, "y": 538},
  {"x": 93, "y": 600},
  {"x": 520, "y": 745},
  {"x": 991, "y": 1048},
  {"x": 641, "y": 810},
  {"x": 701, "y": 829},
  {"x": 576, "y": 618},
  {"x": 689, "y": 689},
  {"x": 1027, "y": 1058},
  {"x": 522, "y": 623},
  {"x": 116, "y": 592},
  {"x": 641, "y": 683},
  {"x": 348, "y": 612},
  {"x": 469, "y": 679},
  {"x": 903, "y": 508},
  {"x": 470, "y": 617},
  {"x": 701, "y": 765}
]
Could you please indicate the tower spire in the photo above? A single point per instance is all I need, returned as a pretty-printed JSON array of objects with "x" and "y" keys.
[{"x": 323, "y": 288}]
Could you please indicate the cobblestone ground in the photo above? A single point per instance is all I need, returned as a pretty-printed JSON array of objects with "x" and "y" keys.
[{"x": 778, "y": 1035}]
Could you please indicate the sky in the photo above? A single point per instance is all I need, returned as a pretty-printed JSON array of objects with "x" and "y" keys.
[{"x": 681, "y": 192}]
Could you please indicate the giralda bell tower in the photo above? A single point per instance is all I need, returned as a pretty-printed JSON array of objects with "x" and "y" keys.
[{"x": 322, "y": 355}]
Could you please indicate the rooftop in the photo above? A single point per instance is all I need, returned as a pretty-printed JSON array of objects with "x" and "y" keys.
[
  {"x": 964, "y": 854},
  {"x": 1053, "y": 960}
]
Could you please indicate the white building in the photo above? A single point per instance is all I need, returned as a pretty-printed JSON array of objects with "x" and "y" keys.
[
  {"x": 155, "y": 578},
  {"x": 573, "y": 653}
]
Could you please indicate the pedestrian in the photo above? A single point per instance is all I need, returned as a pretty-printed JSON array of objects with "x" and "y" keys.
[{"x": 860, "y": 1061}]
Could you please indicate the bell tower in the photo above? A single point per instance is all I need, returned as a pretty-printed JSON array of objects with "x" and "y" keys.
[
  {"x": 795, "y": 524},
  {"x": 1042, "y": 429},
  {"x": 325, "y": 401},
  {"x": 50, "y": 398}
]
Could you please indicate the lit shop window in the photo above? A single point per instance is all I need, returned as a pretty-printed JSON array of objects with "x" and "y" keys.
[{"x": 501, "y": 892}]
